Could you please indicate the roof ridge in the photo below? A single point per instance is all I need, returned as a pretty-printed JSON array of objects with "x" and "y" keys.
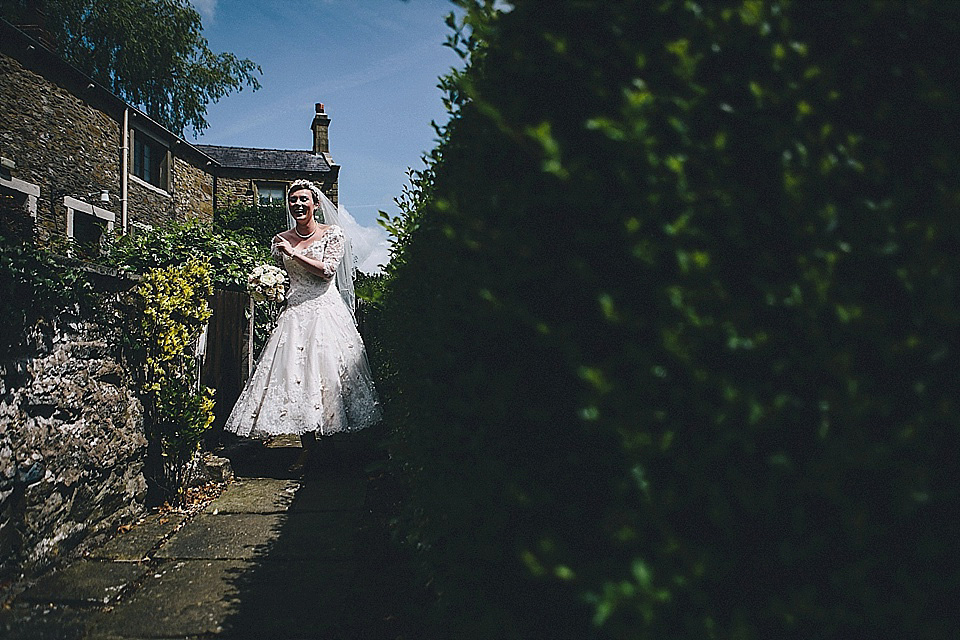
[
  {"x": 267, "y": 159},
  {"x": 230, "y": 146}
]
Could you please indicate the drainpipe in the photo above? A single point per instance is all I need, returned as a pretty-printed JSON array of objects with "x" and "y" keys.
[{"x": 124, "y": 169}]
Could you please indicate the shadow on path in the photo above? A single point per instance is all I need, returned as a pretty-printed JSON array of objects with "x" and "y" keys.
[
  {"x": 328, "y": 570},
  {"x": 276, "y": 557}
]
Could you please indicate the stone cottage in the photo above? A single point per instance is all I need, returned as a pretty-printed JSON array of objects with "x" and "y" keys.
[
  {"x": 79, "y": 161},
  {"x": 261, "y": 176}
]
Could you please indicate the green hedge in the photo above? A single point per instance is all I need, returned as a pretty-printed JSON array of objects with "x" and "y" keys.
[
  {"x": 259, "y": 222},
  {"x": 238, "y": 241},
  {"x": 672, "y": 332}
]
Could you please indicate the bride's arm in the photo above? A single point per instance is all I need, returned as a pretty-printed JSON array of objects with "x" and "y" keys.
[
  {"x": 314, "y": 266},
  {"x": 325, "y": 268}
]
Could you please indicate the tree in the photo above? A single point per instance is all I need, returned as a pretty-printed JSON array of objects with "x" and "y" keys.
[
  {"x": 151, "y": 53},
  {"x": 672, "y": 331}
]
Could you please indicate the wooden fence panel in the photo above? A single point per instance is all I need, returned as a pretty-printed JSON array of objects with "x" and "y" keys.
[{"x": 226, "y": 363}]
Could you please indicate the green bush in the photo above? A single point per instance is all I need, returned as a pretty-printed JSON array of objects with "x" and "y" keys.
[
  {"x": 163, "y": 318},
  {"x": 238, "y": 242},
  {"x": 255, "y": 226},
  {"x": 230, "y": 254},
  {"x": 672, "y": 328},
  {"x": 259, "y": 222}
]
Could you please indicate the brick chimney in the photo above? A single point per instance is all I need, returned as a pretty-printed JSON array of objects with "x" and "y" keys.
[{"x": 321, "y": 126}]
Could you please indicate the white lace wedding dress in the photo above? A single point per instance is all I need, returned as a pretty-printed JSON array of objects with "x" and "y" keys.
[{"x": 313, "y": 374}]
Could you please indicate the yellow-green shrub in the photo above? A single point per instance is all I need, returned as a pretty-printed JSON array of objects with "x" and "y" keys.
[{"x": 173, "y": 308}]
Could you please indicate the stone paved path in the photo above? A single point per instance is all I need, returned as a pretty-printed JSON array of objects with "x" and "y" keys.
[{"x": 274, "y": 557}]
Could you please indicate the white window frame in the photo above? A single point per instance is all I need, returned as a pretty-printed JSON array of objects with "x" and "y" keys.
[
  {"x": 30, "y": 190},
  {"x": 147, "y": 185},
  {"x": 272, "y": 185},
  {"x": 73, "y": 205}
]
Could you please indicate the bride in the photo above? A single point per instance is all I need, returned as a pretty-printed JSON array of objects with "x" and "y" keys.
[{"x": 312, "y": 377}]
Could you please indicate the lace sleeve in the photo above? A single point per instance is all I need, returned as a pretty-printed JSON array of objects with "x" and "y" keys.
[
  {"x": 332, "y": 251},
  {"x": 274, "y": 251}
]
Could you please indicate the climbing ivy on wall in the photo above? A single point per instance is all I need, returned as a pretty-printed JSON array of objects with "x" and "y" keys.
[{"x": 34, "y": 285}]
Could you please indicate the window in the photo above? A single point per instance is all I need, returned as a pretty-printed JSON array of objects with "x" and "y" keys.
[
  {"x": 271, "y": 192},
  {"x": 86, "y": 224},
  {"x": 87, "y": 232},
  {"x": 149, "y": 160},
  {"x": 18, "y": 206},
  {"x": 15, "y": 222}
]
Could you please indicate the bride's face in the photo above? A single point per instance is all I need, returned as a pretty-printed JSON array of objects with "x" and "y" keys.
[{"x": 301, "y": 204}]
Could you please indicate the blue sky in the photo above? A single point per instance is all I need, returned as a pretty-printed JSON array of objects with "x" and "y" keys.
[{"x": 373, "y": 63}]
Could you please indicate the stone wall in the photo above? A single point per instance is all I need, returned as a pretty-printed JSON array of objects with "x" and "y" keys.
[
  {"x": 232, "y": 190},
  {"x": 148, "y": 204},
  {"x": 58, "y": 142},
  {"x": 71, "y": 447},
  {"x": 190, "y": 196},
  {"x": 329, "y": 188},
  {"x": 194, "y": 190},
  {"x": 68, "y": 148}
]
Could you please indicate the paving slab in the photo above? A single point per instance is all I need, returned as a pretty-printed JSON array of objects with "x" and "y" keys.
[
  {"x": 260, "y": 461},
  {"x": 307, "y": 536},
  {"x": 137, "y": 543},
  {"x": 255, "y": 495},
  {"x": 180, "y": 599},
  {"x": 330, "y": 494},
  {"x": 292, "y": 600},
  {"x": 283, "y": 440},
  {"x": 224, "y": 536},
  {"x": 313, "y": 536},
  {"x": 274, "y": 557},
  {"x": 85, "y": 582},
  {"x": 21, "y": 622}
]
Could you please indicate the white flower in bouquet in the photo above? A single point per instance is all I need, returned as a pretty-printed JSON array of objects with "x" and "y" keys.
[{"x": 267, "y": 283}]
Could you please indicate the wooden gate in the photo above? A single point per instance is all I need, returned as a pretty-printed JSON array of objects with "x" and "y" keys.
[{"x": 229, "y": 353}]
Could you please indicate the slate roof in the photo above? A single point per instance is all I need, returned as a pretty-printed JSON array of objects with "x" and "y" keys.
[{"x": 276, "y": 159}]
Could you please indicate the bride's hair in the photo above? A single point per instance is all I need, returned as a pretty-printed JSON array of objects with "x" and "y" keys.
[{"x": 297, "y": 185}]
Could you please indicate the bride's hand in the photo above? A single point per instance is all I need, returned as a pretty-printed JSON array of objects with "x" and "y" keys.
[{"x": 283, "y": 245}]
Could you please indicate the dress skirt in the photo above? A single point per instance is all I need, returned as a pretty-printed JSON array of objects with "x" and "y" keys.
[{"x": 313, "y": 374}]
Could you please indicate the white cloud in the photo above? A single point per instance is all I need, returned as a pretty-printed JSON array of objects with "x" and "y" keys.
[
  {"x": 206, "y": 8},
  {"x": 371, "y": 245}
]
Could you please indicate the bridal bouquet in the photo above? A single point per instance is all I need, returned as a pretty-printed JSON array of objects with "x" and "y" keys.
[{"x": 267, "y": 283}]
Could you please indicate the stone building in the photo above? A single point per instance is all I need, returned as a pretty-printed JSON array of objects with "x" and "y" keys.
[
  {"x": 261, "y": 176},
  {"x": 76, "y": 160}
]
